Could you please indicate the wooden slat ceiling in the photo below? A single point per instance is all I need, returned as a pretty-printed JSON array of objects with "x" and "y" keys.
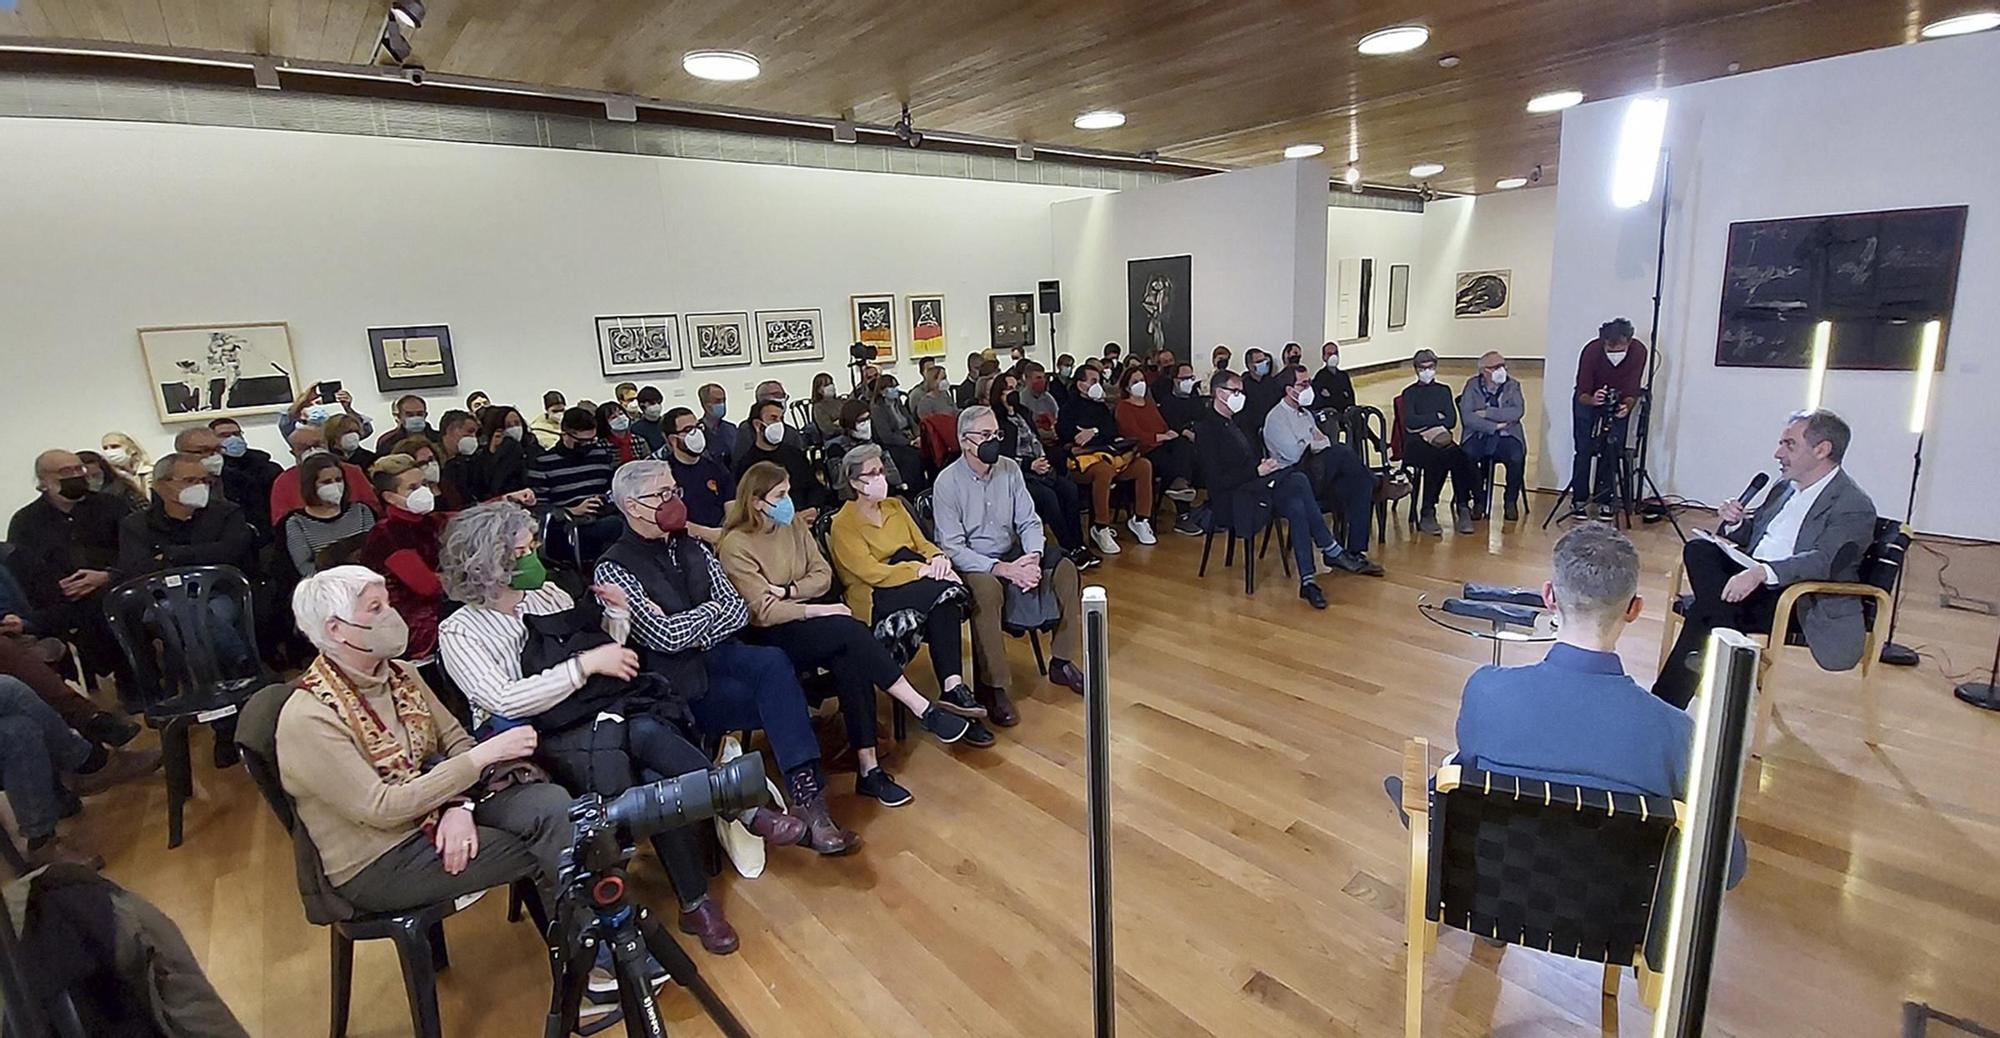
[{"x": 1221, "y": 81}]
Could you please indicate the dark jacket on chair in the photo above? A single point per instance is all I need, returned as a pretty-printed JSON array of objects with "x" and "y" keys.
[
  {"x": 216, "y": 535},
  {"x": 1227, "y": 458},
  {"x": 1836, "y": 534}
]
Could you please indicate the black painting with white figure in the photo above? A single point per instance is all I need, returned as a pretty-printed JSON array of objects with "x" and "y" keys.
[
  {"x": 718, "y": 340},
  {"x": 1878, "y": 277},
  {"x": 1484, "y": 293},
  {"x": 1158, "y": 295},
  {"x": 204, "y": 372},
  {"x": 638, "y": 344},
  {"x": 788, "y": 335},
  {"x": 414, "y": 357}
]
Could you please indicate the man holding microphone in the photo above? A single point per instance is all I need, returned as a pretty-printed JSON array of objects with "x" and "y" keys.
[{"x": 1607, "y": 385}]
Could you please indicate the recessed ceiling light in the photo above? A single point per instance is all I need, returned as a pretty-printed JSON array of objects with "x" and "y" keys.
[
  {"x": 728, "y": 66},
  {"x": 1396, "y": 39},
  {"x": 1304, "y": 151},
  {"x": 1353, "y": 175},
  {"x": 1426, "y": 169},
  {"x": 1102, "y": 119},
  {"x": 1556, "y": 101},
  {"x": 1510, "y": 183},
  {"x": 1977, "y": 21}
]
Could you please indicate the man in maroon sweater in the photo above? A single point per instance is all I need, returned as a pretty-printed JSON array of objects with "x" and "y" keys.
[{"x": 1607, "y": 383}]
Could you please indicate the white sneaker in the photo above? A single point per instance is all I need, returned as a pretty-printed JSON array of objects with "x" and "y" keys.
[
  {"x": 1142, "y": 529},
  {"x": 1104, "y": 539}
]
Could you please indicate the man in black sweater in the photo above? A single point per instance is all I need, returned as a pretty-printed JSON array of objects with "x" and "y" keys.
[
  {"x": 1262, "y": 389},
  {"x": 66, "y": 557},
  {"x": 247, "y": 473},
  {"x": 808, "y": 493},
  {"x": 1429, "y": 415},
  {"x": 1244, "y": 490}
]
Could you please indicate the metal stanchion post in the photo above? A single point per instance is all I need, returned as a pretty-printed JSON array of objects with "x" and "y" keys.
[{"x": 1097, "y": 744}]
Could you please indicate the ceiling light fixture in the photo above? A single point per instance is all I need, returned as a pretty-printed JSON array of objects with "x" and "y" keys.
[
  {"x": 1352, "y": 176},
  {"x": 1426, "y": 169},
  {"x": 1977, "y": 21},
  {"x": 725, "y": 66},
  {"x": 1304, "y": 151},
  {"x": 409, "y": 12},
  {"x": 1510, "y": 183},
  {"x": 1397, "y": 39},
  {"x": 1101, "y": 119},
  {"x": 1555, "y": 102}
]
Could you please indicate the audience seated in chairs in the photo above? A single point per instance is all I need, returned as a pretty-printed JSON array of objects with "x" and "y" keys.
[
  {"x": 248, "y": 474},
  {"x": 707, "y": 486},
  {"x": 1262, "y": 389},
  {"x": 1141, "y": 420},
  {"x": 45, "y": 766},
  {"x": 125, "y": 462},
  {"x": 747, "y": 436},
  {"x": 288, "y": 492},
  {"x": 857, "y": 428},
  {"x": 826, "y": 404},
  {"x": 1428, "y": 417},
  {"x": 895, "y": 431},
  {"x": 1816, "y": 523},
  {"x": 458, "y": 448},
  {"x": 769, "y": 435},
  {"x": 401, "y": 803},
  {"x": 769, "y": 553},
  {"x": 526, "y": 654},
  {"x": 1182, "y": 404},
  {"x": 1492, "y": 408},
  {"x": 1097, "y": 459},
  {"x": 614, "y": 428},
  {"x": 331, "y": 519},
  {"x": 506, "y": 445},
  {"x": 1057, "y": 498},
  {"x": 989, "y": 529},
  {"x": 413, "y": 418},
  {"x": 685, "y": 616},
  {"x": 1342, "y": 484},
  {"x": 342, "y": 434},
  {"x": 309, "y": 410},
  {"x": 575, "y": 476},
  {"x": 720, "y": 431},
  {"x": 647, "y": 424},
  {"x": 66, "y": 557},
  {"x": 546, "y": 426},
  {"x": 935, "y": 396},
  {"x": 30, "y": 655},
  {"x": 403, "y": 546},
  {"x": 1243, "y": 487}
]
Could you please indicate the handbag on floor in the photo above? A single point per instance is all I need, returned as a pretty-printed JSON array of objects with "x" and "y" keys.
[{"x": 744, "y": 848}]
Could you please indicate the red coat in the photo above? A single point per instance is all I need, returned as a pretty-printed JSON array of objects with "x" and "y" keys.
[{"x": 404, "y": 549}]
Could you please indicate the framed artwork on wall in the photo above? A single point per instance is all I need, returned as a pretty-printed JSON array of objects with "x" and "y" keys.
[
  {"x": 926, "y": 325},
  {"x": 1399, "y": 296},
  {"x": 200, "y": 372},
  {"x": 1157, "y": 298},
  {"x": 413, "y": 357},
  {"x": 875, "y": 324},
  {"x": 788, "y": 335},
  {"x": 718, "y": 340},
  {"x": 638, "y": 344},
  {"x": 1484, "y": 293},
  {"x": 1012, "y": 318}
]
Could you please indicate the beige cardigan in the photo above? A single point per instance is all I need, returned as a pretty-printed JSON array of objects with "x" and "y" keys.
[{"x": 756, "y": 560}]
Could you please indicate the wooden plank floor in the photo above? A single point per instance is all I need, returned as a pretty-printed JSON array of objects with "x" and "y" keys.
[{"x": 1258, "y": 865}]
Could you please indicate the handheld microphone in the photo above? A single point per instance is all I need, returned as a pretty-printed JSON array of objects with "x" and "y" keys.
[{"x": 1757, "y": 483}]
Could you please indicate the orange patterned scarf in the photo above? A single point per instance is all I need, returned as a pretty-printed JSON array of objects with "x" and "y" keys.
[{"x": 393, "y": 761}]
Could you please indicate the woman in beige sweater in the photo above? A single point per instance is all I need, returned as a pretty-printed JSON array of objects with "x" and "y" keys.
[
  {"x": 787, "y": 584},
  {"x": 384, "y": 779}
]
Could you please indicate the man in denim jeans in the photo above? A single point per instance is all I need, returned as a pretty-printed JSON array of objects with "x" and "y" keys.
[{"x": 36, "y": 751}]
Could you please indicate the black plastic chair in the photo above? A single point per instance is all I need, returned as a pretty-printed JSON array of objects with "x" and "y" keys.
[
  {"x": 1563, "y": 869},
  {"x": 191, "y": 661},
  {"x": 417, "y": 933},
  {"x": 1368, "y": 433},
  {"x": 1219, "y": 516}
]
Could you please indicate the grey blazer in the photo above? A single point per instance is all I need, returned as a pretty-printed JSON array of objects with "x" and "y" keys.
[{"x": 1837, "y": 532}]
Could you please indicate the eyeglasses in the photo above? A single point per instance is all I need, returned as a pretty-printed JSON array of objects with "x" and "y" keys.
[
  {"x": 660, "y": 497},
  {"x": 981, "y": 435}
]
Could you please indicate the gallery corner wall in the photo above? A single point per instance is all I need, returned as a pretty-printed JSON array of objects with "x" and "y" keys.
[{"x": 1884, "y": 129}]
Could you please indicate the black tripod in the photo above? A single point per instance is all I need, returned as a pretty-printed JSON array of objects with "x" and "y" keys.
[
  {"x": 1983, "y": 694},
  {"x": 1607, "y": 448}
]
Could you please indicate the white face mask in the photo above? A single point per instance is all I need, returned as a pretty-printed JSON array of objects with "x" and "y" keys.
[
  {"x": 1427, "y": 375},
  {"x": 1184, "y": 387},
  {"x": 213, "y": 464},
  {"x": 1333, "y": 362},
  {"x": 468, "y": 444},
  {"x": 1615, "y": 357},
  {"x": 330, "y": 493},
  {"x": 349, "y": 442},
  {"x": 826, "y": 392},
  {"x": 420, "y": 502},
  {"x": 117, "y": 456},
  {"x": 774, "y": 434},
  {"x": 1138, "y": 391},
  {"x": 556, "y": 413},
  {"x": 620, "y": 424},
  {"x": 654, "y": 411},
  {"x": 432, "y": 472},
  {"x": 1096, "y": 391},
  {"x": 1306, "y": 396},
  {"x": 1234, "y": 402},
  {"x": 515, "y": 432},
  {"x": 864, "y": 430},
  {"x": 195, "y": 497},
  {"x": 415, "y": 423},
  {"x": 695, "y": 441},
  {"x": 1499, "y": 376}
]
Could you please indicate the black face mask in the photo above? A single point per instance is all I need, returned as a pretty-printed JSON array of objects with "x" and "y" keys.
[
  {"x": 75, "y": 488},
  {"x": 989, "y": 452}
]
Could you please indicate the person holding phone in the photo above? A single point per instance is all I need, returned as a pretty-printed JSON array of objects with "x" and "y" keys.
[
  {"x": 319, "y": 402},
  {"x": 1098, "y": 459}
]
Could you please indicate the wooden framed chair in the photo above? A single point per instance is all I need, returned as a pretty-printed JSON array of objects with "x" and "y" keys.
[
  {"x": 1881, "y": 571},
  {"x": 1561, "y": 869}
]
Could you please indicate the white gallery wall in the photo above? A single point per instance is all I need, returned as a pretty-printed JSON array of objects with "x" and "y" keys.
[
  {"x": 516, "y": 249},
  {"x": 1388, "y": 237},
  {"x": 1884, "y": 129},
  {"x": 1258, "y": 242}
]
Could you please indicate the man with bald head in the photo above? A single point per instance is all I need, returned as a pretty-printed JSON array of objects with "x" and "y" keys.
[
  {"x": 66, "y": 556},
  {"x": 288, "y": 497}
]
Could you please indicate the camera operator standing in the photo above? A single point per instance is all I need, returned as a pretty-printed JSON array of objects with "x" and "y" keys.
[{"x": 1607, "y": 389}]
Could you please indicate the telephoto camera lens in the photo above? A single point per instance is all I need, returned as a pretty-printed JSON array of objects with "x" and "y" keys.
[{"x": 696, "y": 796}]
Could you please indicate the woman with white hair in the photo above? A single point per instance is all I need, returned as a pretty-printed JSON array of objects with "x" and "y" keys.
[{"x": 386, "y": 783}]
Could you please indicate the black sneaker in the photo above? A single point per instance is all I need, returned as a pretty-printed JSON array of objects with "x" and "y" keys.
[
  {"x": 1188, "y": 525},
  {"x": 109, "y": 729},
  {"x": 959, "y": 700},
  {"x": 1085, "y": 560},
  {"x": 977, "y": 735},
  {"x": 947, "y": 726},
  {"x": 1312, "y": 594},
  {"x": 1354, "y": 562},
  {"x": 882, "y": 786}
]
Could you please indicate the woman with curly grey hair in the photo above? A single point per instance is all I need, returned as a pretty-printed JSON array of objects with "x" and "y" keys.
[{"x": 525, "y": 653}]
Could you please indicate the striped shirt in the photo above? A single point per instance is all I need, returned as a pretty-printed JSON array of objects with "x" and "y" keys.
[
  {"x": 561, "y": 476},
  {"x": 306, "y": 534},
  {"x": 699, "y": 628},
  {"x": 481, "y": 649}
]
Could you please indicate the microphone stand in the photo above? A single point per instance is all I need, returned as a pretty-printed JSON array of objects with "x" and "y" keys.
[
  {"x": 1894, "y": 654},
  {"x": 1983, "y": 694}
]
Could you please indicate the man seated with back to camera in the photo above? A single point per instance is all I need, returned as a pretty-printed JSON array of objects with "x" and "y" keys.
[
  {"x": 575, "y": 476},
  {"x": 1245, "y": 489},
  {"x": 525, "y": 653},
  {"x": 1492, "y": 408},
  {"x": 1608, "y": 376},
  {"x": 1816, "y": 523},
  {"x": 1342, "y": 484},
  {"x": 771, "y": 441},
  {"x": 1576, "y": 718}
]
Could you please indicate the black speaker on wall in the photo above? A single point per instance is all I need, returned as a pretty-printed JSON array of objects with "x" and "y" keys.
[{"x": 1052, "y": 297}]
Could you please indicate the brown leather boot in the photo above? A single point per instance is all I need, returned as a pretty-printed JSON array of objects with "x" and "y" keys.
[
  {"x": 706, "y": 922},
  {"x": 999, "y": 706},
  {"x": 776, "y": 827},
  {"x": 823, "y": 834}
]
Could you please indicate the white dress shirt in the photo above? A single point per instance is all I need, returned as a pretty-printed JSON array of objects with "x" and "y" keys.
[{"x": 1781, "y": 537}]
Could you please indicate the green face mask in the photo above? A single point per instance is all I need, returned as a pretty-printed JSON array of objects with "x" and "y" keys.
[{"x": 529, "y": 573}]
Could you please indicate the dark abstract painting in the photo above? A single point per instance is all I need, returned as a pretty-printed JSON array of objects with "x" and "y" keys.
[
  {"x": 1878, "y": 277},
  {"x": 1158, "y": 298}
]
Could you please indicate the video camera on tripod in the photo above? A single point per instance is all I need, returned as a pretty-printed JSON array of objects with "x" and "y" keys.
[{"x": 593, "y": 872}]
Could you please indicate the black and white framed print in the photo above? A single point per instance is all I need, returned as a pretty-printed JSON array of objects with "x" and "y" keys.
[
  {"x": 639, "y": 344},
  {"x": 719, "y": 340},
  {"x": 1399, "y": 295},
  {"x": 1158, "y": 298},
  {"x": 201, "y": 372},
  {"x": 413, "y": 357},
  {"x": 875, "y": 324},
  {"x": 788, "y": 335}
]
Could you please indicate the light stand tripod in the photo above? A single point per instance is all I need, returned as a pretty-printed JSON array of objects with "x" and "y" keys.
[
  {"x": 1894, "y": 654},
  {"x": 1983, "y": 694}
]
